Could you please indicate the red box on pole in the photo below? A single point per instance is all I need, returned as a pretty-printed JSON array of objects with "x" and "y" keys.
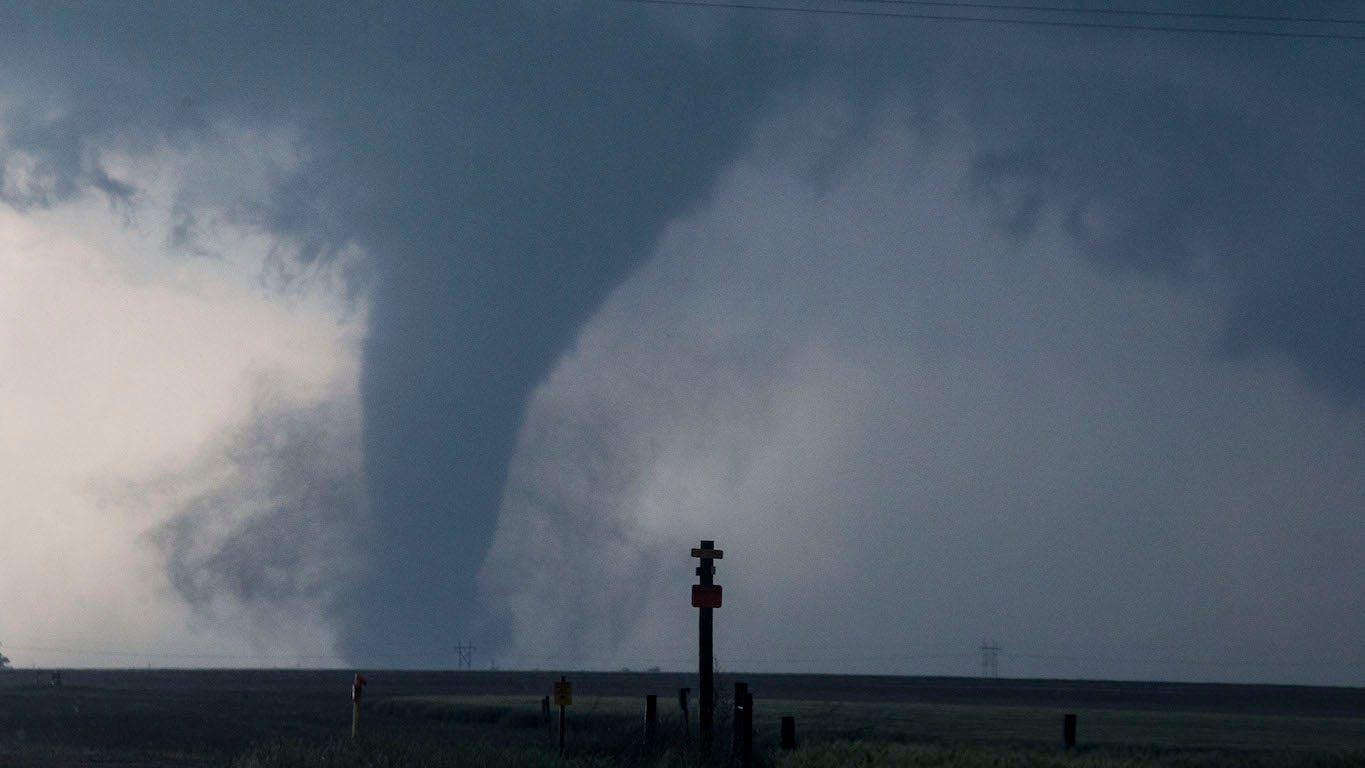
[{"x": 705, "y": 595}]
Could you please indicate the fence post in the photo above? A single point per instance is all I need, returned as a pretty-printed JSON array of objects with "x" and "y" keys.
[
  {"x": 1069, "y": 730},
  {"x": 788, "y": 732},
  {"x": 545, "y": 718},
  {"x": 747, "y": 754},
  {"x": 737, "y": 712},
  {"x": 686, "y": 717},
  {"x": 742, "y": 743},
  {"x": 651, "y": 721},
  {"x": 356, "y": 689}
]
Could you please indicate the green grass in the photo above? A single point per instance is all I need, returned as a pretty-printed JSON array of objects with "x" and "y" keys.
[
  {"x": 203, "y": 722},
  {"x": 424, "y": 753},
  {"x": 863, "y": 753},
  {"x": 393, "y": 753},
  {"x": 922, "y": 723},
  {"x": 828, "y": 721}
]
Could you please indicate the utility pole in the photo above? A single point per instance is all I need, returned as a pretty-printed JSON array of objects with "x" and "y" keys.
[
  {"x": 706, "y": 596},
  {"x": 466, "y": 651},
  {"x": 990, "y": 658}
]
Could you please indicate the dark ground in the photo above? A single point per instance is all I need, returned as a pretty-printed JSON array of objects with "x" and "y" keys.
[
  {"x": 197, "y": 717},
  {"x": 1306, "y": 701}
]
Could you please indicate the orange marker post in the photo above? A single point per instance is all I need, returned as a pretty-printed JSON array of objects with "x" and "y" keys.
[{"x": 356, "y": 686}]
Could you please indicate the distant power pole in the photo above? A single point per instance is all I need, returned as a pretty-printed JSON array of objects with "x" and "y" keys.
[
  {"x": 990, "y": 658},
  {"x": 466, "y": 651}
]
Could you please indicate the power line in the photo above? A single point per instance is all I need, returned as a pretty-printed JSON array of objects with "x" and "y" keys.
[
  {"x": 990, "y": 658},
  {"x": 157, "y": 654},
  {"x": 1114, "y": 11},
  {"x": 989, "y": 652},
  {"x": 466, "y": 651},
  {"x": 1184, "y": 662},
  {"x": 852, "y": 659},
  {"x": 999, "y": 20}
]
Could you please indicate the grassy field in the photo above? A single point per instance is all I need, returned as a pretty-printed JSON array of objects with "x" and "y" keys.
[
  {"x": 890, "y": 722},
  {"x": 263, "y": 719},
  {"x": 833, "y": 755}
]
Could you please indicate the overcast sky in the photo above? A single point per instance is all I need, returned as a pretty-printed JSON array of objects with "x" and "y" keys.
[{"x": 337, "y": 335}]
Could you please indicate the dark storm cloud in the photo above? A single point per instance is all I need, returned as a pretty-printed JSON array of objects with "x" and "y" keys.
[
  {"x": 1173, "y": 159},
  {"x": 504, "y": 167},
  {"x": 507, "y": 165},
  {"x": 1171, "y": 156},
  {"x": 1167, "y": 155}
]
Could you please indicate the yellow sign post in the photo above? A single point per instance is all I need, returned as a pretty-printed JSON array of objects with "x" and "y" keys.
[{"x": 563, "y": 697}]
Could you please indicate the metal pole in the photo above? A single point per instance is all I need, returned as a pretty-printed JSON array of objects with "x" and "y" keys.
[{"x": 705, "y": 658}]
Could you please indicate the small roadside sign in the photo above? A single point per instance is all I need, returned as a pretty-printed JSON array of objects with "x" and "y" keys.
[
  {"x": 563, "y": 698},
  {"x": 709, "y": 553}
]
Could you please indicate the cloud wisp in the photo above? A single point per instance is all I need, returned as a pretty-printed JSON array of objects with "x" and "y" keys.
[{"x": 169, "y": 416}]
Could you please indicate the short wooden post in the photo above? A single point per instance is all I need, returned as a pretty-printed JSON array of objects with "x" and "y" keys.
[
  {"x": 686, "y": 717},
  {"x": 651, "y": 721},
  {"x": 747, "y": 754},
  {"x": 737, "y": 707},
  {"x": 742, "y": 743},
  {"x": 563, "y": 697},
  {"x": 1069, "y": 730},
  {"x": 545, "y": 718},
  {"x": 788, "y": 732}
]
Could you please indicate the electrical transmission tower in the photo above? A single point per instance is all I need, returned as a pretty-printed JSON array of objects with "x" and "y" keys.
[
  {"x": 990, "y": 658},
  {"x": 466, "y": 651}
]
